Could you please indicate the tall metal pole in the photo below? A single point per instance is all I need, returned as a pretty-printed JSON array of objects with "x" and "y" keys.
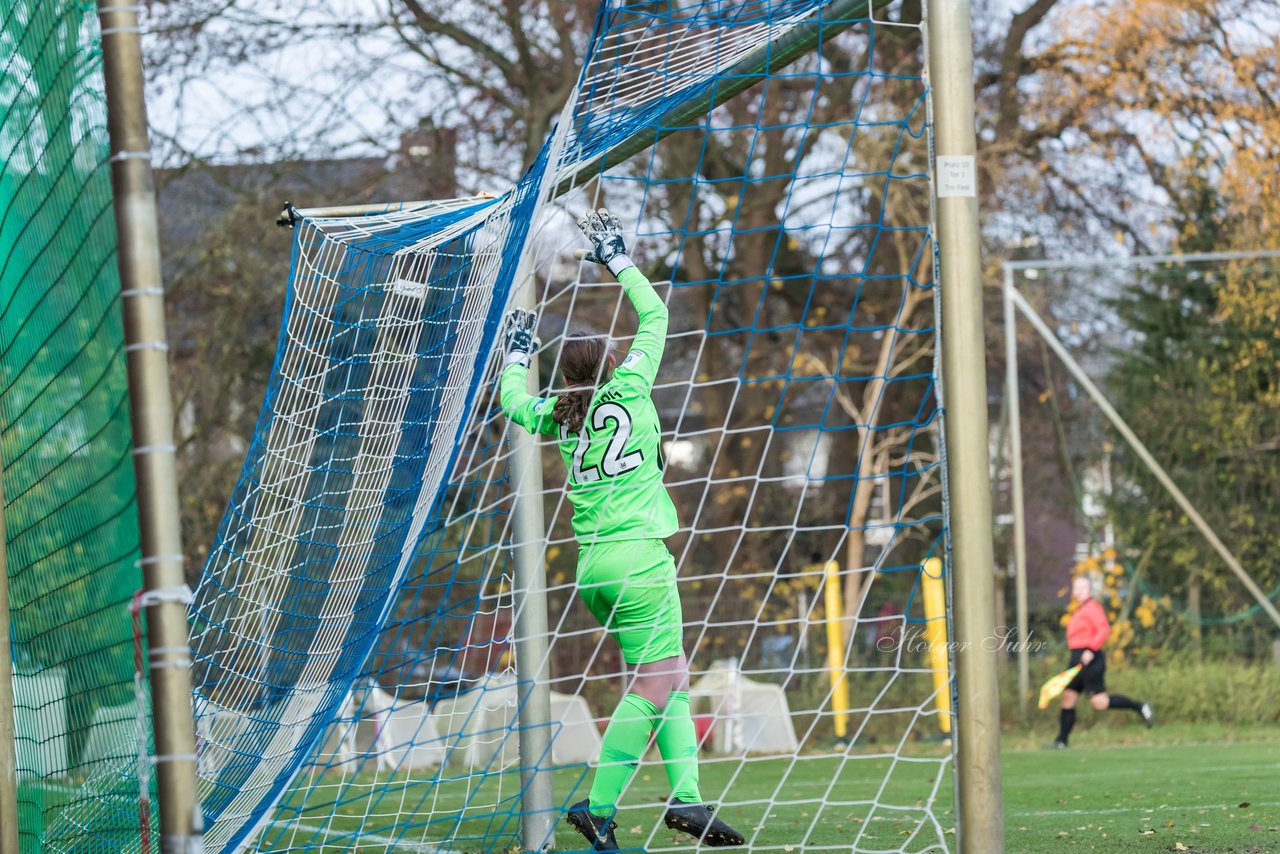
[
  {"x": 1013, "y": 407},
  {"x": 964, "y": 390},
  {"x": 1145, "y": 455},
  {"x": 8, "y": 733},
  {"x": 165, "y": 594},
  {"x": 533, "y": 671}
]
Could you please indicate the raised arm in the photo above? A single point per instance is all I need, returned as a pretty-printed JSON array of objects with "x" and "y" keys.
[
  {"x": 641, "y": 363},
  {"x": 530, "y": 412},
  {"x": 607, "y": 248}
]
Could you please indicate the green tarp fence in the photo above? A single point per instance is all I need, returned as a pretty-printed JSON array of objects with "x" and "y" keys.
[{"x": 72, "y": 531}]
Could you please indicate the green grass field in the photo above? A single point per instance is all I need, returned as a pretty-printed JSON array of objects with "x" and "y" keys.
[
  {"x": 1120, "y": 789},
  {"x": 1175, "y": 790}
]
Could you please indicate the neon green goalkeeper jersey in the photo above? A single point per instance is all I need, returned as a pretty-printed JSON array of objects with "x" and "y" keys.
[{"x": 615, "y": 462}]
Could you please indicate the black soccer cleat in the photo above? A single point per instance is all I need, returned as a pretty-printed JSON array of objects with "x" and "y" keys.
[
  {"x": 697, "y": 820},
  {"x": 1148, "y": 715},
  {"x": 597, "y": 829}
]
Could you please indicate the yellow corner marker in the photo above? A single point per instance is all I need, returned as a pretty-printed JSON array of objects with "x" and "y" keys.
[
  {"x": 935, "y": 633},
  {"x": 835, "y": 647}
]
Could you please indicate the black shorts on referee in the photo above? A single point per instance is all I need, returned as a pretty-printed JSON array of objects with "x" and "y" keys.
[{"x": 1092, "y": 677}]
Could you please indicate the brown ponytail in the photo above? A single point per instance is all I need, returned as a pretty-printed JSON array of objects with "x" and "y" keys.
[{"x": 581, "y": 360}]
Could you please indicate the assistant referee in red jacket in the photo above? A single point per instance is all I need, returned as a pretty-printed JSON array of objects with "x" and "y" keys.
[{"x": 1087, "y": 631}]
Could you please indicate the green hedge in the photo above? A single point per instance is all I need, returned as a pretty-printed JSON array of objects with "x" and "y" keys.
[{"x": 1181, "y": 689}]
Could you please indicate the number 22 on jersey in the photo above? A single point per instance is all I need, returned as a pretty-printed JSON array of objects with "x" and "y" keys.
[{"x": 612, "y": 423}]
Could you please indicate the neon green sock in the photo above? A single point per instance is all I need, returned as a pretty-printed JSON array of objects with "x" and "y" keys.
[
  {"x": 678, "y": 743},
  {"x": 625, "y": 740}
]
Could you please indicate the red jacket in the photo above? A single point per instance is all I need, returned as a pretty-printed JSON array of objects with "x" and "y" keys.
[{"x": 1088, "y": 627}]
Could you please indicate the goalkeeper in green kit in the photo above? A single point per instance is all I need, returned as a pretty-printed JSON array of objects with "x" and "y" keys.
[{"x": 608, "y": 431}]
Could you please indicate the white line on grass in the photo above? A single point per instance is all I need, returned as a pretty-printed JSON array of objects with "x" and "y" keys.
[
  {"x": 377, "y": 839},
  {"x": 1122, "y": 810}
]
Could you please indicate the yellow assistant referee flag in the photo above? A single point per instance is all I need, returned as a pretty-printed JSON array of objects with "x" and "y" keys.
[{"x": 1055, "y": 685}]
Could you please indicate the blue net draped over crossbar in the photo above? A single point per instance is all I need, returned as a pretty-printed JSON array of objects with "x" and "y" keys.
[
  {"x": 377, "y": 365},
  {"x": 648, "y": 60},
  {"x": 387, "y": 338}
]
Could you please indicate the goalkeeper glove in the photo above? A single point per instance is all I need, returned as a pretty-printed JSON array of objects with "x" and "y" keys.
[
  {"x": 521, "y": 343},
  {"x": 605, "y": 233}
]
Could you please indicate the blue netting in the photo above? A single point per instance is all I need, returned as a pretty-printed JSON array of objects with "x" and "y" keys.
[
  {"x": 629, "y": 86},
  {"x": 359, "y": 426},
  {"x": 355, "y": 682}
]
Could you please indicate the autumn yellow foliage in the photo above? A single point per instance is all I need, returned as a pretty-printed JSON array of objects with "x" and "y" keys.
[{"x": 1134, "y": 94}]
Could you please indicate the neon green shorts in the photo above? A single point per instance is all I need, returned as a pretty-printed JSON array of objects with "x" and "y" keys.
[{"x": 630, "y": 587}]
